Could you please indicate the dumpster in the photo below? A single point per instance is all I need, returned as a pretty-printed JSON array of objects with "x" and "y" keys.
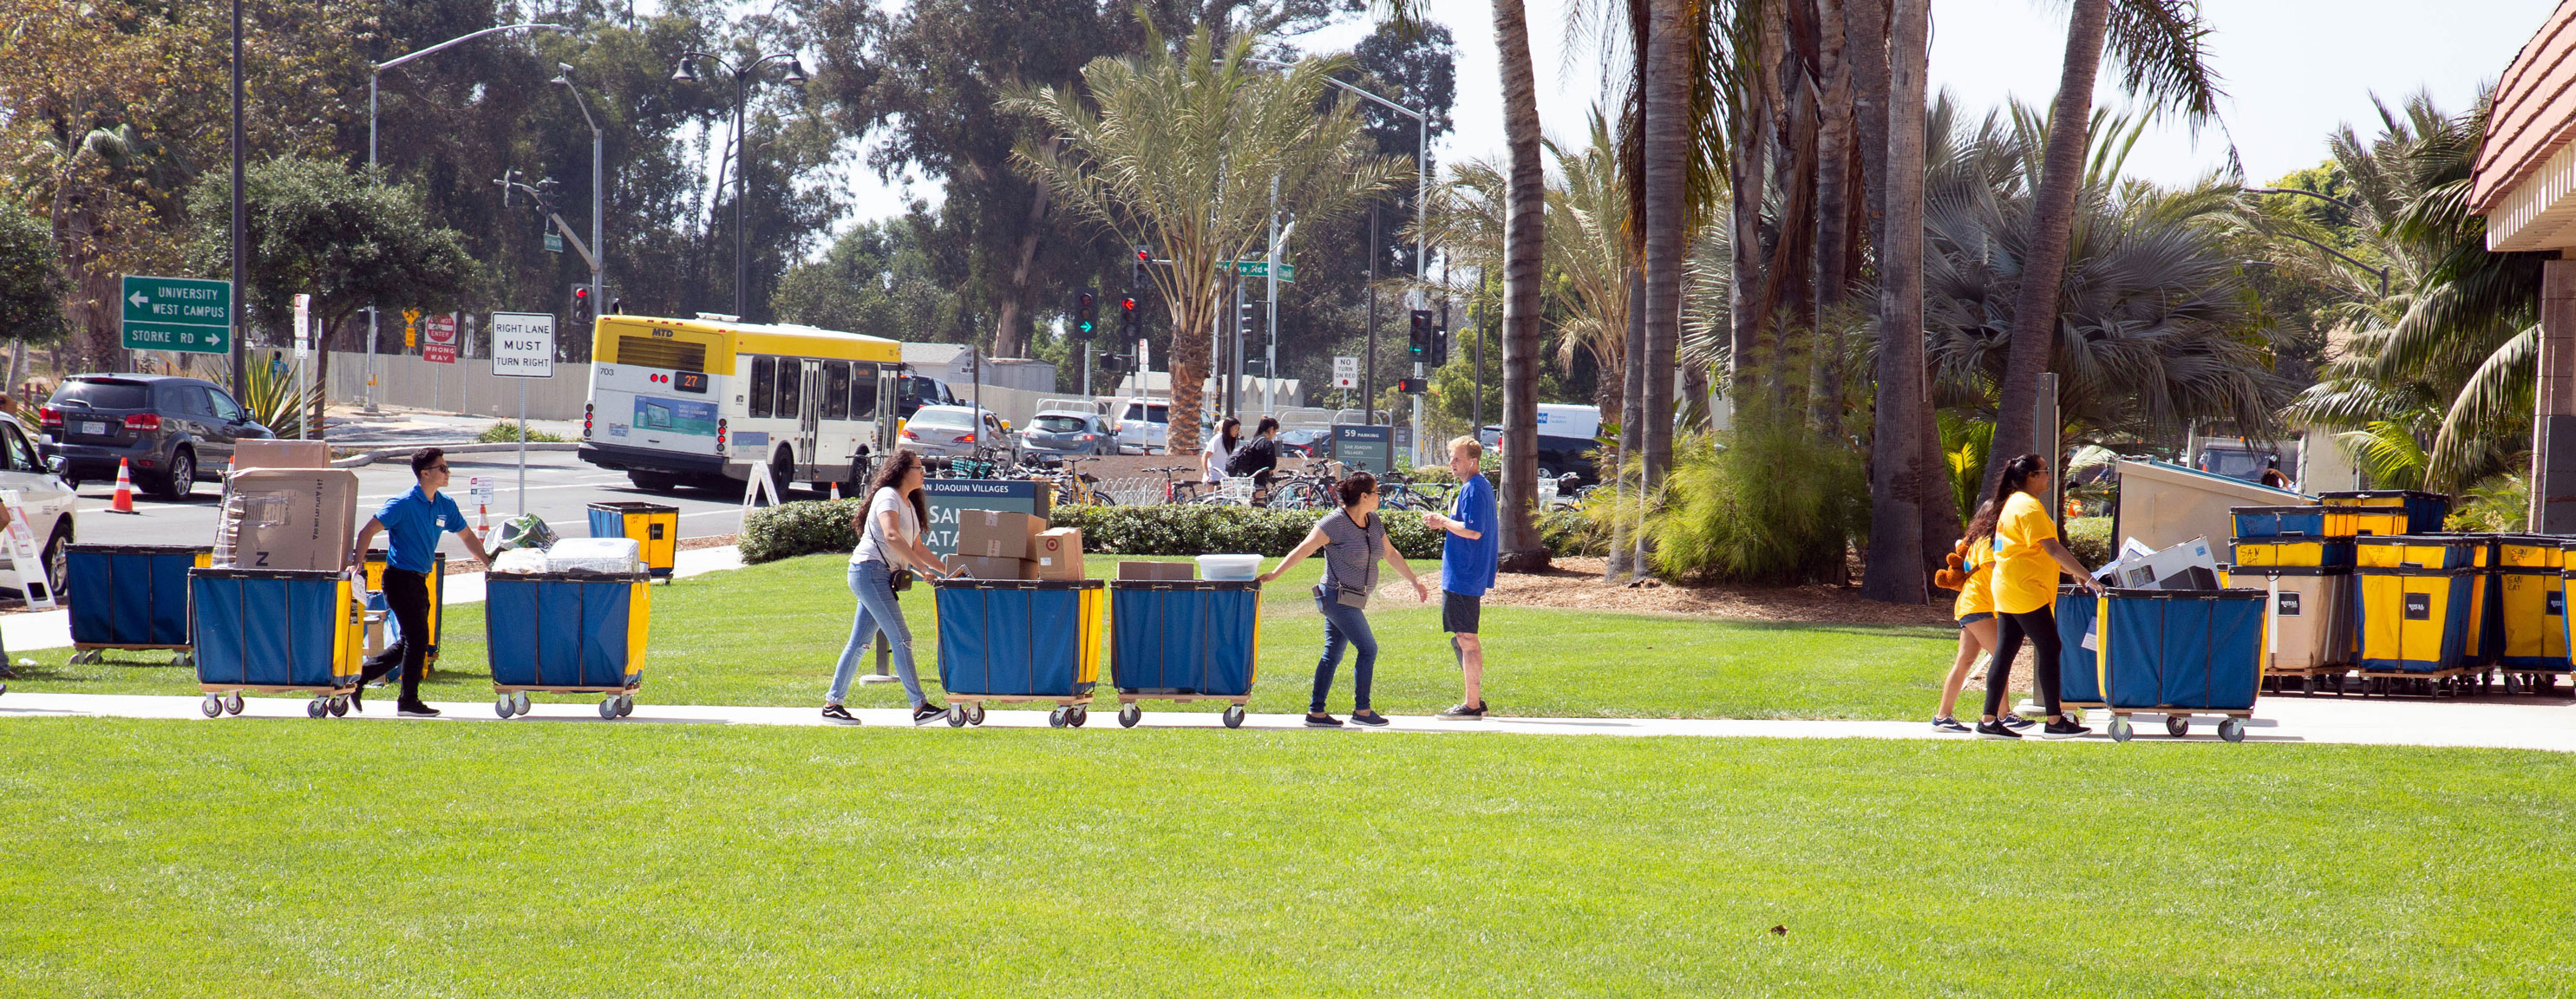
[
  {"x": 2308, "y": 623},
  {"x": 2258, "y": 553},
  {"x": 130, "y": 597},
  {"x": 654, "y": 526},
  {"x": 2529, "y": 606},
  {"x": 2416, "y": 604},
  {"x": 1183, "y": 640},
  {"x": 566, "y": 633},
  {"x": 2385, "y": 512},
  {"x": 2181, "y": 653},
  {"x": 2079, "y": 635},
  {"x": 375, "y": 565},
  {"x": 1006, "y": 640},
  {"x": 277, "y": 631}
]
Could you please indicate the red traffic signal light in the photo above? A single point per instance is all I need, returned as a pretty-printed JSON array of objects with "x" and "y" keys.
[{"x": 1412, "y": 386}]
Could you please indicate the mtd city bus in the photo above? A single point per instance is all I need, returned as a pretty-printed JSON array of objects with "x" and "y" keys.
[{"x": 700, "y": 401}]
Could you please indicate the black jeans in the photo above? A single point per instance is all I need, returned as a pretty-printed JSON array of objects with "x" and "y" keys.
[
  {"x": 2040, "y": 626},
  {"x": 407, "y": 596}
]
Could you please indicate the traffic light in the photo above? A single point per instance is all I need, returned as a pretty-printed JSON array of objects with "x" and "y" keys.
[
  {"x": 1419, "y": 345},
  {"x": 1410, "y": 385},
  {"x": 583, "y": 310},
  {"x": 1130, "y": 324},
  {"x": 1440, "y": 337},
  {"x": 1086, "y": 314},
  {"x": 1112, "y": 362},
  {"x": 1249, "y": 320},
  {"x": 1136, "y": 270}
]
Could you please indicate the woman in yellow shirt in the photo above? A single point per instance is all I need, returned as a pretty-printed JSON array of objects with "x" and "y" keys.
[
  {"x": 2028, "y": 557},
  {"x": 1973, "y": 575}
]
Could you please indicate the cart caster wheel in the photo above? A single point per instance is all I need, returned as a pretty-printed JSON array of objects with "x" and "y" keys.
[
  {"x": 975, "y": 714},
  {"x": 1129, "y": 715},
  {"x": 339, "y": 707},
  {"x": 315, "y": 708},
  {"x": 625, "y": 705},
  {"x": 1234, "y": 716},
  {"x": 233, "y": 703},
  {"x": 80, "y": 658},
  {"x": 958, "y": 716},
  {"x": 1056, "y": 718},
  {"x": 504, "y": 706},
  {"x": 519, "y": 703},
  {"x": 608, "y": 709},
  {"x": 214, "y": 706},
  {"x": 1077, "y": 716},
  {"x": 2177, "y": 725},
  {"x": 184, "y": 661},
  {"x": 2121, "y": 730},
  {"x": 2232, "y": 729},
  {"x": 2512, "y": 685}
]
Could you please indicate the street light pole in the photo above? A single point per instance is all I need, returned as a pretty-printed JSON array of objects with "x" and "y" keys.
[
  {"x": 240, "y": 252},
  {"x": 372, "y": 74},
  {"x": 741, "y": 175},
  {"x": 598, "y": 195}
]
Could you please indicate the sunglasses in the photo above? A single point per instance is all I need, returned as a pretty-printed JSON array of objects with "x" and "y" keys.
[{"x": 435, "y": 468}]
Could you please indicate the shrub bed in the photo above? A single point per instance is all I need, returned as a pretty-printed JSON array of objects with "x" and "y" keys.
[{"x": 806, "y": 528}]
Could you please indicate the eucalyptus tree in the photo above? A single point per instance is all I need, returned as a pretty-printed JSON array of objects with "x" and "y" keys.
[{"x": 1180, "y": 151}]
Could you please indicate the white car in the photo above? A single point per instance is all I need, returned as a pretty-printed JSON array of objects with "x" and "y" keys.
[
  {"x": 953, "y": 431},
  {"x": 1144, "y": 426},
  {"x": 46, "y": 498}
]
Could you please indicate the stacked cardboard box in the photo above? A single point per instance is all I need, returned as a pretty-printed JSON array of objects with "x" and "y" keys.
[
  {"x": 1157, "y": 571},
  {"x": 1006, "y": 544},
  {"x": 300, "y": 519}
]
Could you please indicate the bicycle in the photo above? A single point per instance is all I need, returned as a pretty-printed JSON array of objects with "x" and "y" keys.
[
  {"x": 1075, "y": 487},
  {"x": 1177, "y": 489}
]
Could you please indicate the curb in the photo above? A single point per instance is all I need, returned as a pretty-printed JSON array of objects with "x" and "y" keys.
[{"x": 365, "y": 458}]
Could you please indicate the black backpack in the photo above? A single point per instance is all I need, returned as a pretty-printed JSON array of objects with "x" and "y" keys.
[{"x": 1246, "y": 462}]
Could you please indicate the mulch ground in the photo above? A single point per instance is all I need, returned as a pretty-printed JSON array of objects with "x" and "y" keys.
[{"x": 1576, "y": 583}]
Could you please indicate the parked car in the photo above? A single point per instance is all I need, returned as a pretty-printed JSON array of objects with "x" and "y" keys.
[
  {"x": 950, "y": 431},
  {"x": 1144, "y": 426},
  {"x": 1059, "y": 431},
  {"x": 1305, "y": 441},
  {"x": 173, "y": 432},
  {"x": 918, "y": 391},
  {"x": 45, "y": 497}
]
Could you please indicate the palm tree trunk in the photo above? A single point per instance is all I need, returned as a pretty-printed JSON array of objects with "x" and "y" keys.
[
  {"x": 2043, "y": 269},
  {"x": 1894, "y": 572},
  {"x": 1865, "y": 49},
  {"x": 1833, "y": 218},
  {"x": 1524, "y": 250},
  {"x": 1632, "y": 429},
  {"x": 1666, "y": 135}
]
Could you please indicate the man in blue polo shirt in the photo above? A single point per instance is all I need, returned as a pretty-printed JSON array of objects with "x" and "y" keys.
[
  {"x": 412, "y": 522},
  {"x": 1467, "y": 554}
]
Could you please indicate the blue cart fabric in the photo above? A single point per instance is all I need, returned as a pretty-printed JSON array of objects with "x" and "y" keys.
[
  {"x": 1183, "y": 637},
  {"x": 269, "y": 628},
  {"x": 2257, "y": 522},
  {"x": 565, "y": 631},
  {"x": 1018, "y": 638},
  {"x": 129, "y": 594},
  {"x": 2190, "y": 649},
  {"x": 2078, "y": 611}
]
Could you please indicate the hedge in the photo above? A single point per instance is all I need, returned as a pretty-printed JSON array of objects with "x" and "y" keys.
[{"x": 806, "y": 528}]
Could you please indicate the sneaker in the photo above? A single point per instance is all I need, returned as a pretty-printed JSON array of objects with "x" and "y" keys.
[
  {"x": 1465, "y": 712},
  {"x": 416, "y": 709},
  {"x": 1318, "y": 719},
  {"x": 2063, "y": 728},
  {"x": 358, "y": 698},
  {"x": 1945, "y": 723},
  {"x": 839, "y": 715},
  {"x": 2016, "y": 722},
  {"x": 1995, "y": 730},
  {"x": 927, "y": 713},
  {"x": 1371, "y": 719}
]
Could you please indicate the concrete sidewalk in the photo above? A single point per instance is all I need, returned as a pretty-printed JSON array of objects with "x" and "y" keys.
[{"x": 2344, "y": 721}]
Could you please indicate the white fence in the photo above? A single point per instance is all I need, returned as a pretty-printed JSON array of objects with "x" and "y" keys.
[{"x": 466, "y": 386}]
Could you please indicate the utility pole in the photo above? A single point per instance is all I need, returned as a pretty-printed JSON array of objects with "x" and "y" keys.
[
  {"x": 1368, "y": 366},
  {"x": 241, "y": 254}
]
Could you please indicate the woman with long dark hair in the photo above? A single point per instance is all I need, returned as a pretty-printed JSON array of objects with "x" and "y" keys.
[
  {"x": 1352, "y": 539},
  {"x": 889, "y": 542},
  {"x": 1220, "y": 449},
  {"x": 1972, "y": 574},
  {"x": 2028, "y": 557}
]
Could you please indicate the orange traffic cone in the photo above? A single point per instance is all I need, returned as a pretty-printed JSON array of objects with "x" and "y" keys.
[
  {"x": 124, "y": 502},
  {"x": 836, "y": 490}
]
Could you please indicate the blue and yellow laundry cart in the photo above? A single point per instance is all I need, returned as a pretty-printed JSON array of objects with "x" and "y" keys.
[
  {"x": 2388, "y": 512},
  {"x": 2181, "y": 653},
  {"x": 375, "y": 566},
  {"x": 2529, "y": 608},
  {"x": 566, "y": 633},
  {"x": 654, "y": 526},
  {"x": 277, "y": 632},
  {"x": 1014, "y": 640},
  {"x": 2079, "y": 636},
  {"x": 1183, "y": 640},
  {"x": 2417, "y": 610},
  {"x": 130, "y": 598}
]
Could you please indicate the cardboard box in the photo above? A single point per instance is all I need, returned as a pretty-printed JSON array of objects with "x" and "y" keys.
[
  {"x": 288, "y": 518},
  {"x": 1158, "y": 570},
  {"x": 1057, "y": 554},
  {"x": 980, "y": 567},
  {"x": 280, "y": 454},
  {"x": 2186, "y": 566},
  {"x": 997, "y": 533}
]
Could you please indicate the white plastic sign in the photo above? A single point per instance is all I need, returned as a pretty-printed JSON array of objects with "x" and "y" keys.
[
  {"x": 303, "y": 326},
  {"x": 1346, "y": 372},
  {"x": 482, "y": 489},
  {"x": 523, "y": 344}
]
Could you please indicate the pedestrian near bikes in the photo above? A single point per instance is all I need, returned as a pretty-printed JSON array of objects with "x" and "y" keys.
[
  {"x": 1258, "y": 457},
  {"x": 1467, "y": 557},
  {"x": 1220, "y": 450},
  {"x": 1352, "y": 539},
  {"x": 2028, "y": 557},
  {"x": 411, "y": 523}
]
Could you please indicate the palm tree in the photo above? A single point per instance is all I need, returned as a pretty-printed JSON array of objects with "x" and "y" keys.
[
  {"x": 1524, "y": 256},
  {"x": 2159, "y": 46},
  {"x": 1181, "y": 154},
  {"x": 1589, "y": 248},
  {"x": 1899, "y": 468}
]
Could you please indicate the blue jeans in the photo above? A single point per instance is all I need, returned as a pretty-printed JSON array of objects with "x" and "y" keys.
[
  {"x": 1344, "y": 626},
  {"x": 871, "y": 582}
]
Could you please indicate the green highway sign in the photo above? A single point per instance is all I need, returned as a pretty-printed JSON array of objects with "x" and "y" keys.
[
  {"x": 191, "y": 315},
  {"x": 1259, "y": 269}
]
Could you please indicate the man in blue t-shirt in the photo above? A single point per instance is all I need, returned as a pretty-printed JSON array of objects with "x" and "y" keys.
[
  {"x": 412, "y": 523},
  {"x": 1466, "y": 570}
]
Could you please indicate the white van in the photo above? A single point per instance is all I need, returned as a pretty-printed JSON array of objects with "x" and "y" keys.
[{"x": 1563, "y": 420}]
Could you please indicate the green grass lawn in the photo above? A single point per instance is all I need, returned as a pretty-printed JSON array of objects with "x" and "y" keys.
[
  {"x": 280, "y": 859},
  {"x": 769, "y": 634}
]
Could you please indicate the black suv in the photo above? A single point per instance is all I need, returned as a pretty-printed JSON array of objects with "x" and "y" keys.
[{"x": 175, "y": 431}]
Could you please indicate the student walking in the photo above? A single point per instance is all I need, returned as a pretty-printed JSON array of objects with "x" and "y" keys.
[
  {"x": 412, "y": 523},
  {"x": 2028, "y": 557},
  {"x": 1258, "y": 457},
  {"x": 1220, "y": 450},
  {"x": 1352, "y": 539},
  {"x": 889, "y": 545},
  {"x": 1972, "y": 574},
  {"x": 1467, "y": 554}
]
